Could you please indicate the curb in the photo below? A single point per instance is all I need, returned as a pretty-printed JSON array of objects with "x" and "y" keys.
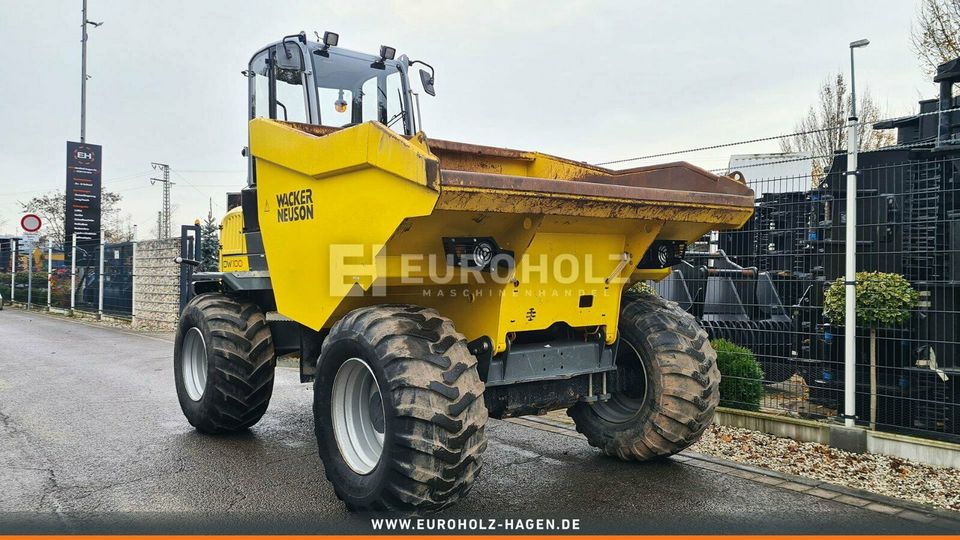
[{"x": 882, "y": 504}]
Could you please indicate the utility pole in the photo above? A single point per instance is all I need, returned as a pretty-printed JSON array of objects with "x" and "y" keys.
[
  {"x": 83, "y": 71},
  {"x": 164, "y": 225}
]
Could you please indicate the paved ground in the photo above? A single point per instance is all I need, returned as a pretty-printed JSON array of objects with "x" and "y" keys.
[{"x": 92, "y": 438}]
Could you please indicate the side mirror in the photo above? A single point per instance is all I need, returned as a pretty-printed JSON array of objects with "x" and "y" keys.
[{"x": 426, "y": 78}]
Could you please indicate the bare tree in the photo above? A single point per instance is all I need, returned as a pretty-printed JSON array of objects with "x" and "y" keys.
[
  {"x": 823, "y": 130},
  {"x": 52, "y": 207},
  {"x": 935, "y": 34}
]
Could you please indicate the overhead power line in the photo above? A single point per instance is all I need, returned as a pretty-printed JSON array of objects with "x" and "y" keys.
[
  {"x": 715, "y": 146},
  {"x": 765, "y": 139}
]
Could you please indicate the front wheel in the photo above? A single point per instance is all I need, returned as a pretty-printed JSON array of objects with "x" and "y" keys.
[
  {"x": 668, "y": 384},
  {"x": 398, "y": 410},
  {"x": 223, "y": 363}
]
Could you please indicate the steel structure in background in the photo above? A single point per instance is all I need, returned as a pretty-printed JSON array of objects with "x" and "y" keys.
[
  {"x": 164, "y": 225},
  {"x": 766, "y": 287}
]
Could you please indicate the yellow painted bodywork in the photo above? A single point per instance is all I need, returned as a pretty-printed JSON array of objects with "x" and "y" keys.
[
  {"x": 233, "y": 244},
  {"x": 354, "y": 217},
  {"x": 364, "y": 182}
]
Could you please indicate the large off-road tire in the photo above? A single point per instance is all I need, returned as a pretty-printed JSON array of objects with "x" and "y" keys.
[
  {"x": 670, "y": 384},
  {"x": 223, "y": 363},
  {"x": 401, "y": 379}
]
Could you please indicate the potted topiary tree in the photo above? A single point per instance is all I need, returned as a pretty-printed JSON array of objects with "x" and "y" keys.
[{"x": 883, "y": 300}]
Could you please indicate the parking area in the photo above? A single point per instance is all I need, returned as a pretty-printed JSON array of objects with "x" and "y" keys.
[{"x": 92, "y": 439}]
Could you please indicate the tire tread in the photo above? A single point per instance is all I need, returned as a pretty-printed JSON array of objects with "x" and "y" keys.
[{"x": 689, "y": 382}]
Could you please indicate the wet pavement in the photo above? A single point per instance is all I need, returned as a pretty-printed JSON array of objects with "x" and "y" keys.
[{"x": 92, "y": 439}]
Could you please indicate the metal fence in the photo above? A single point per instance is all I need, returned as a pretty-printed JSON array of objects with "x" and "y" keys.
[
  {"x": 140, "y": 280},
  {"x": 103, "y": 276},
  {"x": 765, "y": 286}
]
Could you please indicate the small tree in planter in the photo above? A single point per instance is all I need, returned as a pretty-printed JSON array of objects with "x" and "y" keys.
[{"x": 883, "y": 300}]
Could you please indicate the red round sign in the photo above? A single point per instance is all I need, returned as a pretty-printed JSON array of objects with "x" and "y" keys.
[{"x": 30, "y": 223}]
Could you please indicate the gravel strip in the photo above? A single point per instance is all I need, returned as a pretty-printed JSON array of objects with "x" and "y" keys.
[{"x": 890, "y": 476}]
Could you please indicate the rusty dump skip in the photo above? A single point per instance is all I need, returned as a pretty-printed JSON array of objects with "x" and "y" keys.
[{"x": 672, "y": 188}]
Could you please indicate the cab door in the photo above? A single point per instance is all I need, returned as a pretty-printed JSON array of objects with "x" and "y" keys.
[{"x": 279, "y": 86}]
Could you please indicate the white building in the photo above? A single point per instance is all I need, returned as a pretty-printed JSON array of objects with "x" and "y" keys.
[{"x": 774, "y": 173}]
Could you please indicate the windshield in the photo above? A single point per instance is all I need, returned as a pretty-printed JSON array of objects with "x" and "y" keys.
[{"x": 350, "y": 91}]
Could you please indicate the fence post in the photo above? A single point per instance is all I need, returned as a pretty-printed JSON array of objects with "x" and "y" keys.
[
  {"x": 100, "y": 278},
  {"x": 850, "y": 277},
  {"x": 73, "y": 274},
  {"x": 49, "y": 270},
  {"x": 133, "y": 287},
  {"x": 13, "y": 269}
]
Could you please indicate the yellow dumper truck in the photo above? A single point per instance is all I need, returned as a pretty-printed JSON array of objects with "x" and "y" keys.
[{"x": 427, "y": 285}]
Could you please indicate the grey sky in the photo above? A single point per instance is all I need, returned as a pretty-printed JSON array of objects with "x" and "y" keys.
[{"x": 588, "y": 80}]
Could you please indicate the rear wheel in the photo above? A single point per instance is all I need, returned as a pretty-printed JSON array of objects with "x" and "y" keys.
[
  {"x": 223, "y": 363},
  {"x": 398, "y": 410},
  {"x": 668, "y": 384}
]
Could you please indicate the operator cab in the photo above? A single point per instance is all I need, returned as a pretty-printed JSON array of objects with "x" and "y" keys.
[{"x": 316, "y": 82}]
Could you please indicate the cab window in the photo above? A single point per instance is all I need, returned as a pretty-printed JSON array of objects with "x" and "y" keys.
[
  {"x": 280, "y": 69},
  {"x": 350, "y": 91},
  {"x": 259, "y": 85}
]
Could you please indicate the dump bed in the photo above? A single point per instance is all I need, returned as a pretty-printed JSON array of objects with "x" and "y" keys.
[{"x": 378, "y": 200}]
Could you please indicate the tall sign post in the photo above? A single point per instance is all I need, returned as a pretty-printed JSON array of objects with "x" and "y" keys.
[{"x": 30, "y": 223}]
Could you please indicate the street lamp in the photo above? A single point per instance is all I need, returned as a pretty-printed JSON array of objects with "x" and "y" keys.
[
  {"x": 850, "y": 315},
  {"x": 853, "y": 85}
]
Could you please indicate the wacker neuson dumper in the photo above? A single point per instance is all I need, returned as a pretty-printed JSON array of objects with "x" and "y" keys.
[{"x": 427, "y": 285}]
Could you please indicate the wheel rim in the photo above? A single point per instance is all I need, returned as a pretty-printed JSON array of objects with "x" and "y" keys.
[
  {"x": 358, "y": 415},
  {"x": 624, "y": 405},
  {"x": 194, "y": 364}
]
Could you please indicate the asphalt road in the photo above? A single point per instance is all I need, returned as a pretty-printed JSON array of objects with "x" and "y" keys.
[{"x": 92, "y": 439}]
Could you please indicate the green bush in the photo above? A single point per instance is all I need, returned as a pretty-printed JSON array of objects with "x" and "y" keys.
[
  {"x": 882, "y": 300},
  {"x": 741, "y": 382},
  {"x": 39, "y": 294}
]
